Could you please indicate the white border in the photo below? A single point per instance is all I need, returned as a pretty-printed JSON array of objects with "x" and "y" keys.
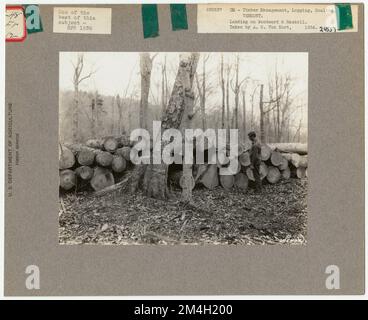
[{"x": 227, "y": 297}]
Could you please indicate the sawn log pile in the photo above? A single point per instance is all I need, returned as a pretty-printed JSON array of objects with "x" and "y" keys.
[{"x": 101, "y": 163}]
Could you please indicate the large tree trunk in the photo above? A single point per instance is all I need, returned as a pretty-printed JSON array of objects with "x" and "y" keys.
[
  {"x": 154, "y": 176},
  {"x": 300, "y": 148},
  {"x": 187, "y": 179}
]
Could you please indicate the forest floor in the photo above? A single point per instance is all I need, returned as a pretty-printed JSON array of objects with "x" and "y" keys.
[{"x": 278, "y": 215}]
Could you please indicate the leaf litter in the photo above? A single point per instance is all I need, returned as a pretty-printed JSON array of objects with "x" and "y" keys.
[{"x": 277, "y": 216}]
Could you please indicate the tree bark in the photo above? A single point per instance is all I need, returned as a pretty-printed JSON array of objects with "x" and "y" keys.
[
  {"x": 154, "y": 176},
  {"x": 244, "y": 127},
  {"x": 261, "y": 115},
  {"x": 145, "y": 70},
  {"x": 300, "y": 148},
  {"x": 223, "y": 92}
]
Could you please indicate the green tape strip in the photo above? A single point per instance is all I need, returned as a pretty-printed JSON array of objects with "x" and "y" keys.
[
  {"x": 344, "y": 16},
  {"x": 33, "y": 18},
  {"x": 150, "y": 20},
  {"x": 178, "y": 17}
]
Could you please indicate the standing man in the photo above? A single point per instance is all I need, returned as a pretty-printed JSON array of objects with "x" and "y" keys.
[{"x": 255, "y": 160}]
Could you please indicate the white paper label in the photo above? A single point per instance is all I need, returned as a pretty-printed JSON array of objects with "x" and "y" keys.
[
  {"x": 82, "y": 20},
  {"x": 270, "y": 18}
]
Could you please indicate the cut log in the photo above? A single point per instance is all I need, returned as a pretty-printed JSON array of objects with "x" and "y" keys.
[
  {"x": 95, "y": 143},
  {"x": 66, "y": 158},
  {"x": 210, "y": 177},
  {"x": 199, "y": 170},
  {"x": 110, "y": 144},
  {"x": 247, "y": 145},
  {"x": 284, "y": 164},
  {"x": 86, "y": 157},
  {"x": 273, "y": 175},
  {"x": 104, "y": 158},
  {"x": 263, "y": 170},
  {"x": 124, "y": 152},
  {"x": 286, "y": 173},
  {"x": 124, "y": 141},
  {"x": 222, "y": 160},
  {"x": 293, "y": 158},
  {"x": 84, "y": 172},
  {"x": 265, "y": 152},
  {"x": 300, "y": 172},
  {"x": 300, "y": 148},
  {"x": 227, "y": 181},
  {"x": 276, "y": 158},
  {"x": 238, "y": 169},
  {"x": 102, "y": 178},
  {"x": 303, "y": 161},
  {"x": 250, "y": 174},
  {"x": 244, "y": 159},
  {"x": 118, "y": 164},
  {"x": 67, "y": 179},
  {"x": 241, "y": 181}
]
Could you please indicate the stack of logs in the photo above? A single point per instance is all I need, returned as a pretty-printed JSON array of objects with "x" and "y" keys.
[
  {"x": 97, "y": 163},
  {"x": 279, "y": 161}
]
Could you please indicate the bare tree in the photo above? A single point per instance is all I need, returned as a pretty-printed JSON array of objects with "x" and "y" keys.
[
  {"x": 223, "y": 91},
  {"x": 244, "y": 116},
  {"x": 236, "y": 89},
  {"x": 163, "y": 86},
  {"x": 78, "y": 77},
  {"x": 202, "y": 91},
  {"x": 261, "y": 115},
  {"x": 228, "y": 71},
  {"x": 145, "y": 70}
]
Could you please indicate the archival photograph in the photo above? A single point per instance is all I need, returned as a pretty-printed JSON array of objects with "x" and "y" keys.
[{"x": 183, "y": 148}]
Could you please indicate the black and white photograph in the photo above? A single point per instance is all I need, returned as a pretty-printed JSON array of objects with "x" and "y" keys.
[{"x": 183, "y": 148}]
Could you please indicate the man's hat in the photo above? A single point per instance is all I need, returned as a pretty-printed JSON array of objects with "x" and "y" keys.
[{"x": 252, "y": 134}]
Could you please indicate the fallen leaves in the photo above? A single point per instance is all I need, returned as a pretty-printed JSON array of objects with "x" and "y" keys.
[{"x": 277, "y": 216}]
